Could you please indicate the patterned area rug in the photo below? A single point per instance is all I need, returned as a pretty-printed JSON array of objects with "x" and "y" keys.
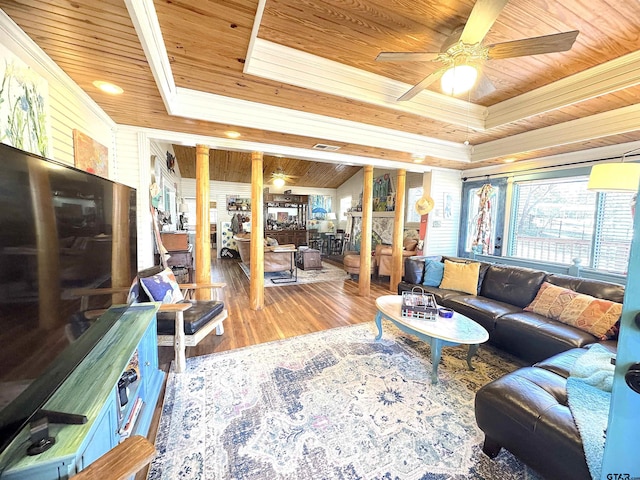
[
  {"x": 329, "y": 273},
  {"x": 329, "y": 405}
]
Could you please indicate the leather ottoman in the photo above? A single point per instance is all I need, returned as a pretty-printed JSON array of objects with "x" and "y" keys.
[
  {"x": 526, "y": 412},
  {"x": 351, "y": 263}
]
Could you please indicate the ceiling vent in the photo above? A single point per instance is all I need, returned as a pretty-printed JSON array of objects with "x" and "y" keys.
[{"x": 323, "y": 146}]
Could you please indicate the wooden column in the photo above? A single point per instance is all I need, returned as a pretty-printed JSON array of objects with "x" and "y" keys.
[
  {"x": 48, "y": 249},
  {"x": 256, "y": 287},
  {"x": 203, "y": 236},
  {"x": 398, "y": 231},
  {"x": 364, "y": 283},
  {"x": 120, "y": 258}
]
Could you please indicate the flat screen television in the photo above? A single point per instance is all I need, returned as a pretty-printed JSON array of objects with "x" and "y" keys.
[{"x": 60, "y": 229}]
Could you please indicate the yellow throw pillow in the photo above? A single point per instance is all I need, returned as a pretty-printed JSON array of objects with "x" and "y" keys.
[{"x": 462, "y": 277}]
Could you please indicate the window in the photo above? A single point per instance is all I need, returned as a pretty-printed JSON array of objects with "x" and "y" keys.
[
  {"x": 414, "y": 194},
  {"x": 559, "y": 220},
  {"x": 345, "y": 205}
]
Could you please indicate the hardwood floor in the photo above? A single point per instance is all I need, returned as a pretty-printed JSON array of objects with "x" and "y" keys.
[{"x": 289, "y": 311}]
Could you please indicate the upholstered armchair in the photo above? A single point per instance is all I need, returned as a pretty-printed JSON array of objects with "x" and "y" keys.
[
  {"x": 383, "y": 255},
  {"x": 274, "y": 261}
]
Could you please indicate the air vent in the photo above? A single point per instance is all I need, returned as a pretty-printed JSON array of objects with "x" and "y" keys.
[{"x": 322, "y": 146}]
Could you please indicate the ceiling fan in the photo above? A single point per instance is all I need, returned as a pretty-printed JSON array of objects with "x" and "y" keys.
[
  {"x": 279, "y": 178},
  {"x": 463, "y": 52}
]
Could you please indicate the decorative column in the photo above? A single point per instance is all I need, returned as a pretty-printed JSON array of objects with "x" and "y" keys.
[
  {"x": 256, "y": 285},
  {"x": 398, "y": 230},
  {"x": 364, "y": 283},
  {"x": 203, "y": 236},
  {"x": 120, "y": 261}
]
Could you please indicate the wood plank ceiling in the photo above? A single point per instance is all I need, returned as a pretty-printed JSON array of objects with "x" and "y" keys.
[
  {"x": 230, "y": 166},
  {"x": 207, "y": 44}
]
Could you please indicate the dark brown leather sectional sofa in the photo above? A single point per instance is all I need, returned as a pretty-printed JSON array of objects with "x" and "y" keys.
[{"x": 525, "y": 411}]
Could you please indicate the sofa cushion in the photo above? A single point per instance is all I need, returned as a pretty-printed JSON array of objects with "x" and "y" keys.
[
  {"x": 270, "y": 242},
  {"x": 483, "y": 310},
  {"x": 595, "y": 288},
  {"x": 593, "y": 315},
  {"x": 462, "y": 277},
  {"x": 440, "y": 294},
  {"x": 433, "y": 272},
  {"x": 562, "y": 363},
  {"x": 513, "y": 285},
  {"x": 414, "y": 270},
  {"x": 533, "y": 337}
]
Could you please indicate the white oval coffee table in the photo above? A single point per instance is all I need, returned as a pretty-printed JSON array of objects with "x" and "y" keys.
[{"x": 442, "y": 332}]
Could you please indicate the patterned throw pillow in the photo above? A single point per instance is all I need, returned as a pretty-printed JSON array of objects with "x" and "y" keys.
[
  {"x": 433, "y": 272},
  {"x": 134, "y": 292},
  {"x": 162, "y": 287},
  {"x": 590, "y": 314},
  {"x": 462, "y": 277}
]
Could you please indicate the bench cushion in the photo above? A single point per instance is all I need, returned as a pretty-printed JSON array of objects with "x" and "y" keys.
[{"x": 200, "y": 313}]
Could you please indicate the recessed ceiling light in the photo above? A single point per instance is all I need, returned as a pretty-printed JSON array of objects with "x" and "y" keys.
[
  {"x": 509, "y": 160},
  {"x": 108, "y": 87},
  {"x": 232, "y": 134}
]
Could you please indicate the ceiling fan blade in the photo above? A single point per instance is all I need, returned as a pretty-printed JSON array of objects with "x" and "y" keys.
[
  {"x": 557, "y": 42},
  {"x": 406, "y": 56},
  {"x": 424, "y": 83},
  {"x": 482, "y": 18}
]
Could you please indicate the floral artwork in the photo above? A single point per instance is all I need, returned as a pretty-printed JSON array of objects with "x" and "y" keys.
[
  {"x": 23, "y": 106},
  {"x": 89, "y": 155}
]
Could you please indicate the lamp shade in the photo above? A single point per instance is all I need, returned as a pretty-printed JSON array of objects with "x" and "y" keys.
[
  {"x": 614, "y": 177},
  {"x": 183, "y": 207}
]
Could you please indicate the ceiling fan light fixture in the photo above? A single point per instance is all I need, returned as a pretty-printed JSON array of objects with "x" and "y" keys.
[
  {"x": 278, "y": 179},
  {"x": 458, "y": 79}
]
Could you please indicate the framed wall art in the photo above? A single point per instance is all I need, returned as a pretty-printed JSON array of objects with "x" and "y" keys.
[
  {"x": 89, "y": 155},
  {"x": 23, "y": 106}
]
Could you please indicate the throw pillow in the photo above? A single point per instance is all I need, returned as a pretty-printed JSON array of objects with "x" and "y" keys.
[
  {"x": 590, "y": 314},
  {"x": 409, "y": 244},
  {"x": 433, "y": 272},
  {"x": 134, "y": 292},
  {"x": 162, "y": 287},
  {"x": 462, "y": 277}
]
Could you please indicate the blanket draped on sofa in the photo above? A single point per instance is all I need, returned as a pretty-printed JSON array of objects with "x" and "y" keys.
[{"x": 588, "y": 392}]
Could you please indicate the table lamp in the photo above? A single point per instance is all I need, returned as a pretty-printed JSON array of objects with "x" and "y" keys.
[{"x": 331, "y": 217}]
